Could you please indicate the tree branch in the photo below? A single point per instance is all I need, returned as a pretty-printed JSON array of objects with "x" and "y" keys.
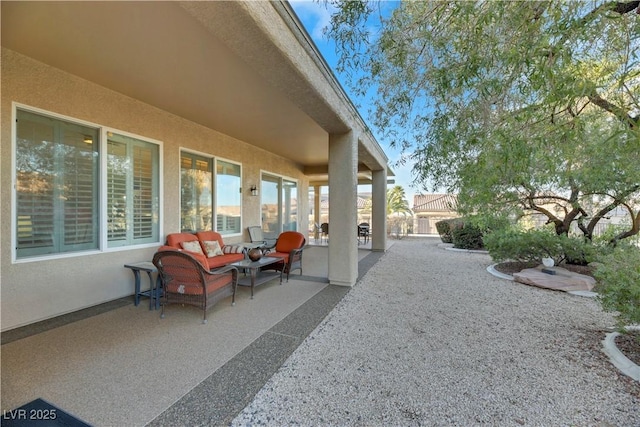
[
  {"x": 625, "y": 7},
  {"x": 596, "y": 99},
  {"x": 635, "y": 226}
]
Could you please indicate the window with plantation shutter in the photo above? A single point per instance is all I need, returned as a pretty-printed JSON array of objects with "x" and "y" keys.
[
  {"x": 132, "y": 191},
  {"x": 59, "y": 182},
  {"x": 56, "y": 186}
]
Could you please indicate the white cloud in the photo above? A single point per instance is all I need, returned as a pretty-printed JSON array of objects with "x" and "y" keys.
[{"x": 315, "y": 13}]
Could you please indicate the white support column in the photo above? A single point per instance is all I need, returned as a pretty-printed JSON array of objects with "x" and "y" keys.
[
  {"x": 343, "y": 215},
  {"x": 379, "y": 210}
]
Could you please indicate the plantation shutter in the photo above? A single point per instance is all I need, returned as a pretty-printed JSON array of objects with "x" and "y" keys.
[
  {"x": 132, "y": 191},
  {"x": 143, "y": 192},
  {"x": 56, "y": 186},
  {"x": 117, "y": 166}
]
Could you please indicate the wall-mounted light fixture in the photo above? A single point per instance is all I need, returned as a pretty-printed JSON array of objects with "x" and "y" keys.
[{"x": 254, "y": 190}]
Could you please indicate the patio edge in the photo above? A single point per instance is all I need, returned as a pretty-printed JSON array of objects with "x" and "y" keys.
[{"x": 221, "y": 396}]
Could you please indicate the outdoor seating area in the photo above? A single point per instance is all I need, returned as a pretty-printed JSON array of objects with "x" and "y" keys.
[
  {"x": 142, "y": 365},
  {"x": 321, "y": 234},
  {"x": 198, "y": 165},
  {"x": 199, "y": 269}
]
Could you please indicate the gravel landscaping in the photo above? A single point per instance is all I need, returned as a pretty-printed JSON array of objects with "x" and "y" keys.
[{"x": 428, "y": 337}]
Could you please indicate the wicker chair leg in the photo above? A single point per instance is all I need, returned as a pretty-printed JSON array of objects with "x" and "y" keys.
[{"x": 162, "y": 312}]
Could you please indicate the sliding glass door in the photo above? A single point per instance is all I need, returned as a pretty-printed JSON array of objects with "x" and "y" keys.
[{"x": 279, "y": 205}]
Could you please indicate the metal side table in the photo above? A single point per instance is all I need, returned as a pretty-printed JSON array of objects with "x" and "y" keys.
[{"x": 154, "y": 286}]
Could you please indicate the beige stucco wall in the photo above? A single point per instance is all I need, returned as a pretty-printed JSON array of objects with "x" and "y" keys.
[{"x": 37, "y": 290}]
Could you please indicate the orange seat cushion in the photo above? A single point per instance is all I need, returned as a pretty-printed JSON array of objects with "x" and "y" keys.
[
  {"x": 222, "y": 260},
  {"x": 288, "y": 241},
  {"x": 205, "y": 236},
  {"x": 174, "y": 239},
  {"x": 201, "y": 258}
]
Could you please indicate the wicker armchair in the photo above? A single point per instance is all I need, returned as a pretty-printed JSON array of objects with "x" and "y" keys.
[
  {"x": 186, "y": 281},
  {"x": 288, "y": 247}
]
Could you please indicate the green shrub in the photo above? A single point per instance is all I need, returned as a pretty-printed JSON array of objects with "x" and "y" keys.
[
  {"x": 445, "y": 229},
  {"x": 488, "y": 223},
  {"x": 577, "y": 251},
  {"x": 618, "y": 275},
  {"x": 533, "y": 245},
  {"x": 516, "y": 245},
  {"x": 468, "y": 236}
]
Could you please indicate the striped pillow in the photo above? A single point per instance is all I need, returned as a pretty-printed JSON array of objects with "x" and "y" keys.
[{"x": 233, "y": 249}]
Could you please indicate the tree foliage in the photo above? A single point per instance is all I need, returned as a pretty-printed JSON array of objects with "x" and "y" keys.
[
  {"x": 397, "y": 201},
  {"x": 519, "y": 107},
  {"x": 533, "y": 245}
]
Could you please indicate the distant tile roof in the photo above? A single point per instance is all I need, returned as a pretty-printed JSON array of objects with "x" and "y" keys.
[
  {"x": 361, "y": 202},
  {"x": 434, "y": 202}
]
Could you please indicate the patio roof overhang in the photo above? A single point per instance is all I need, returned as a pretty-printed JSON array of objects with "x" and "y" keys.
[{"x": 224, "y": 65}]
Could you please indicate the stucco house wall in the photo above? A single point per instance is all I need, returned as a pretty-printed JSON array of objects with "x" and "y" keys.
[
  {"x": 428, "y": 209},
  {"x": 33, "y": 289}
]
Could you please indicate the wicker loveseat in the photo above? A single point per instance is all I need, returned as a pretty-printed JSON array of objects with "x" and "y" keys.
[{"x": 206, "y": 246}]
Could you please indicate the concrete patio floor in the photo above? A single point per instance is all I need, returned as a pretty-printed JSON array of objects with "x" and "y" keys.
[{"x": 123, "y": 365}]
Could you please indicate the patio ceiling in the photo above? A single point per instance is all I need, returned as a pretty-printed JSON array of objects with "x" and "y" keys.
[{"x": 209, "y": 62}]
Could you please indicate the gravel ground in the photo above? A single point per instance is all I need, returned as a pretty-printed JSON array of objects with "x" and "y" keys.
[{"x": 428, "y": 337}]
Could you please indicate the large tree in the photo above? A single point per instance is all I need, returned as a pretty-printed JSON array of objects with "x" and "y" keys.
[{"x": 527, "y": 106}]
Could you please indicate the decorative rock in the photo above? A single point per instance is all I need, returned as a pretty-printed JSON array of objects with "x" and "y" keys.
[
  {"x": 548, "y": 262},
  {"x": 562, "y": 280}
]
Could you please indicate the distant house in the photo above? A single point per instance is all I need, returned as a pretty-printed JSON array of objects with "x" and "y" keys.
[
  {"x": 618, "y": 217},
  {"x": 431, "y": 208}
]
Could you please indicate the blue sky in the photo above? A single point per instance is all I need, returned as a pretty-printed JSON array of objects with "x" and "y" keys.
[{"x": 315, "y": 17}]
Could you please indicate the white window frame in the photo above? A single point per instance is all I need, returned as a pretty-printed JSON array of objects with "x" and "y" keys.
[
  {"x": 214, "y": 161},
  {"x": 102, "y": 185},
  {"x": 215, "y": 195},
  {"x": 104, "y": 243}
]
